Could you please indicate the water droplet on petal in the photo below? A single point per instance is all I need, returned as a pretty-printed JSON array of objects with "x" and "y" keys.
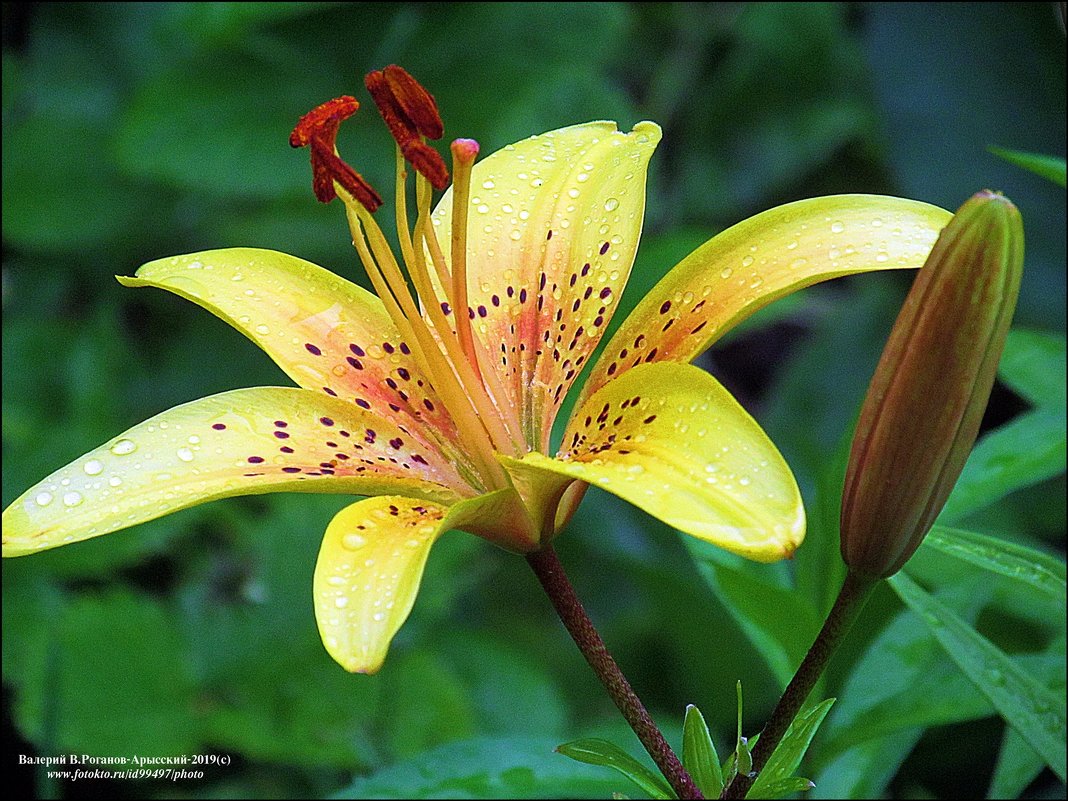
[
  {"x": 123, "y": 447},
  {"x": 262, "y": 329},
  {"x": 43, "y": 498},
  {"x": 185, "y": 454},
  {"x": 341, "y": 601},
  {"x": 837, "y": 227},
  {"x": 114, "y": 481},
  {"x": 93, "y": 467},
  {"x": 353, "y": 541},
  {"x": 72, "y": 498},
  {"x": 611, "y": 204},
  {"x": 726, "y": 272}
]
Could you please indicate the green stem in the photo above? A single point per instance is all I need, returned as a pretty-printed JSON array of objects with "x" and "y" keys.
[
  {"x": 855, "y": 591},
  {"x": 554, "y": 581}
]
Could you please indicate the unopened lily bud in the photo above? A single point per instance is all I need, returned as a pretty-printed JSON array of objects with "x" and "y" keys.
[{"x": 926, "y": 401}]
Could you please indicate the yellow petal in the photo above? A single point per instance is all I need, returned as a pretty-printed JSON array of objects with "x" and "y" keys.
[
  {"x": 761, "y": 259},
  {"x": 671, "y": 440},
  {"x": 553, "y": 229},
  {"x": 243, "y": 442},
  {"x": 329, "y": 335},
  {"x": 369, "y": 569}
]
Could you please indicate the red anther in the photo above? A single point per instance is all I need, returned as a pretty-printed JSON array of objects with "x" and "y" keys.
[
  {"x": 416, "y": 102},
  {"x": 428, "y": 162},
  {"x": 400, "y": 127},
  {"x": 323, "y": 120},
  {"x": 328, "y": 168}
]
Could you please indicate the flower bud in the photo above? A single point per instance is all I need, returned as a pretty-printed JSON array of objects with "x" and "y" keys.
[{"x": 926, "y": 400}]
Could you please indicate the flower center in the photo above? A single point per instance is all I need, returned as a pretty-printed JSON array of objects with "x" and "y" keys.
[{"x": 437, "y": 317}]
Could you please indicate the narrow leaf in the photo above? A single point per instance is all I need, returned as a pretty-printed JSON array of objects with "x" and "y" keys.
[
  {"x": 1038, "y": 570},
  {"x": 780, "y": 788},
  {"x": 593, "y": 751},
  {"x": 1019, "y": 454},
  {"x": 1033, "y": 365},
  {"x": 699, "y": 755},
  {"x": 1049, "y": 167},
  {"x": 1018, "y": 765},
  {"x": 1033, "y": 710},
  {"x": 788, "y": 754}
]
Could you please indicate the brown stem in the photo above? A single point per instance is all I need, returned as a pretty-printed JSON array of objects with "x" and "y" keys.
[
  {"x": 855, "y": 591},
  {"x": 554, "y": 581}
]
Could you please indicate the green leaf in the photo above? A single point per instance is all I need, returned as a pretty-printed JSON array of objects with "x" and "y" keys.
[
  {"x": 1033, "y": 364},
  {"x": 593, "y": 751},
  {"x": 1049, "y": 167},
  {"x": 699, "y": 755},
  {"x": 780, "y": 788},
  {"x": 1033, "y": 710},
  {"x": 1029, "y": 449},
  {"x": 1038, "y": 570},
  {"x": 510, "y": 767},
  {"x": 1018, "y": 765},
  {"x": 1024, "y": 452},
  {"x": 789, "y": 752},
  {"x": 778, "y": 621}
]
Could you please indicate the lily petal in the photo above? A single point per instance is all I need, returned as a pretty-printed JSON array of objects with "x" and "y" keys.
[
  {"x": 671, "y": 440},
  {"x": 553, "y": 229},
  {"x": 328, "y": 334},
  {"x": 759, "y": 260},
  {"x": 369, "y": 568},
  {"x": 243, "y": 442}
]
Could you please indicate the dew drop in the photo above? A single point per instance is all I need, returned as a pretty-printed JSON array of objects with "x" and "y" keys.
[
  {"x": 837, "y": 227},
  {"x": 341, "y": 601},
  {"x": 488, "y": 184},
  {"x": 379, "y": 616},
  {"x": 611, "y": 204},
  {"x": 582, "y": 177},
  {"x": 881, "y": 257},
  {"x": 72, "y": 498},
  {"x": 262, "y": 329},
  {"x": 747, "y": 261},
  {"x": 516, "y": 235},
  {"x": 93, "y": 467},
  {"x": 353, "y": 541},
  {"x": 114, "y": 481},
  {"x": 185, "y": 454},
  {"x": 482, "y": 208},
  {"x": 726, "y": 272},
  {"x": 573, "y": 192},
  {"x": 43, "y": 498},
  {"x": 797, "y": 264},
  {"x": 123, "y": 447}
]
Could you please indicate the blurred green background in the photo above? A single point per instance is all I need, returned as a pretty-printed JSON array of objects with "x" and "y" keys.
[{"x": 135, "y": 131}]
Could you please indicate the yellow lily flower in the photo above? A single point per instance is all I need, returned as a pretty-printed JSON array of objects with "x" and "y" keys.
[{"x": 441, "y": 403}]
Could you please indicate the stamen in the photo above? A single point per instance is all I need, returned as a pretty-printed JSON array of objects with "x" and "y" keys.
[
  {"x": 410, "y": 113},
  {"x": 464, "y": 152},
  {"x": 418, "y": 104},
  {"x": 328, "y": 168},
  {"x": 323, "y": 120},
  {"x": 318, "y": 128}
]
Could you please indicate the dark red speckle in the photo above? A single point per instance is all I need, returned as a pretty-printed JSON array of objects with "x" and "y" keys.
[
  {"x": 312, "y": 349},
  {"x": 219, "y": 426}
]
